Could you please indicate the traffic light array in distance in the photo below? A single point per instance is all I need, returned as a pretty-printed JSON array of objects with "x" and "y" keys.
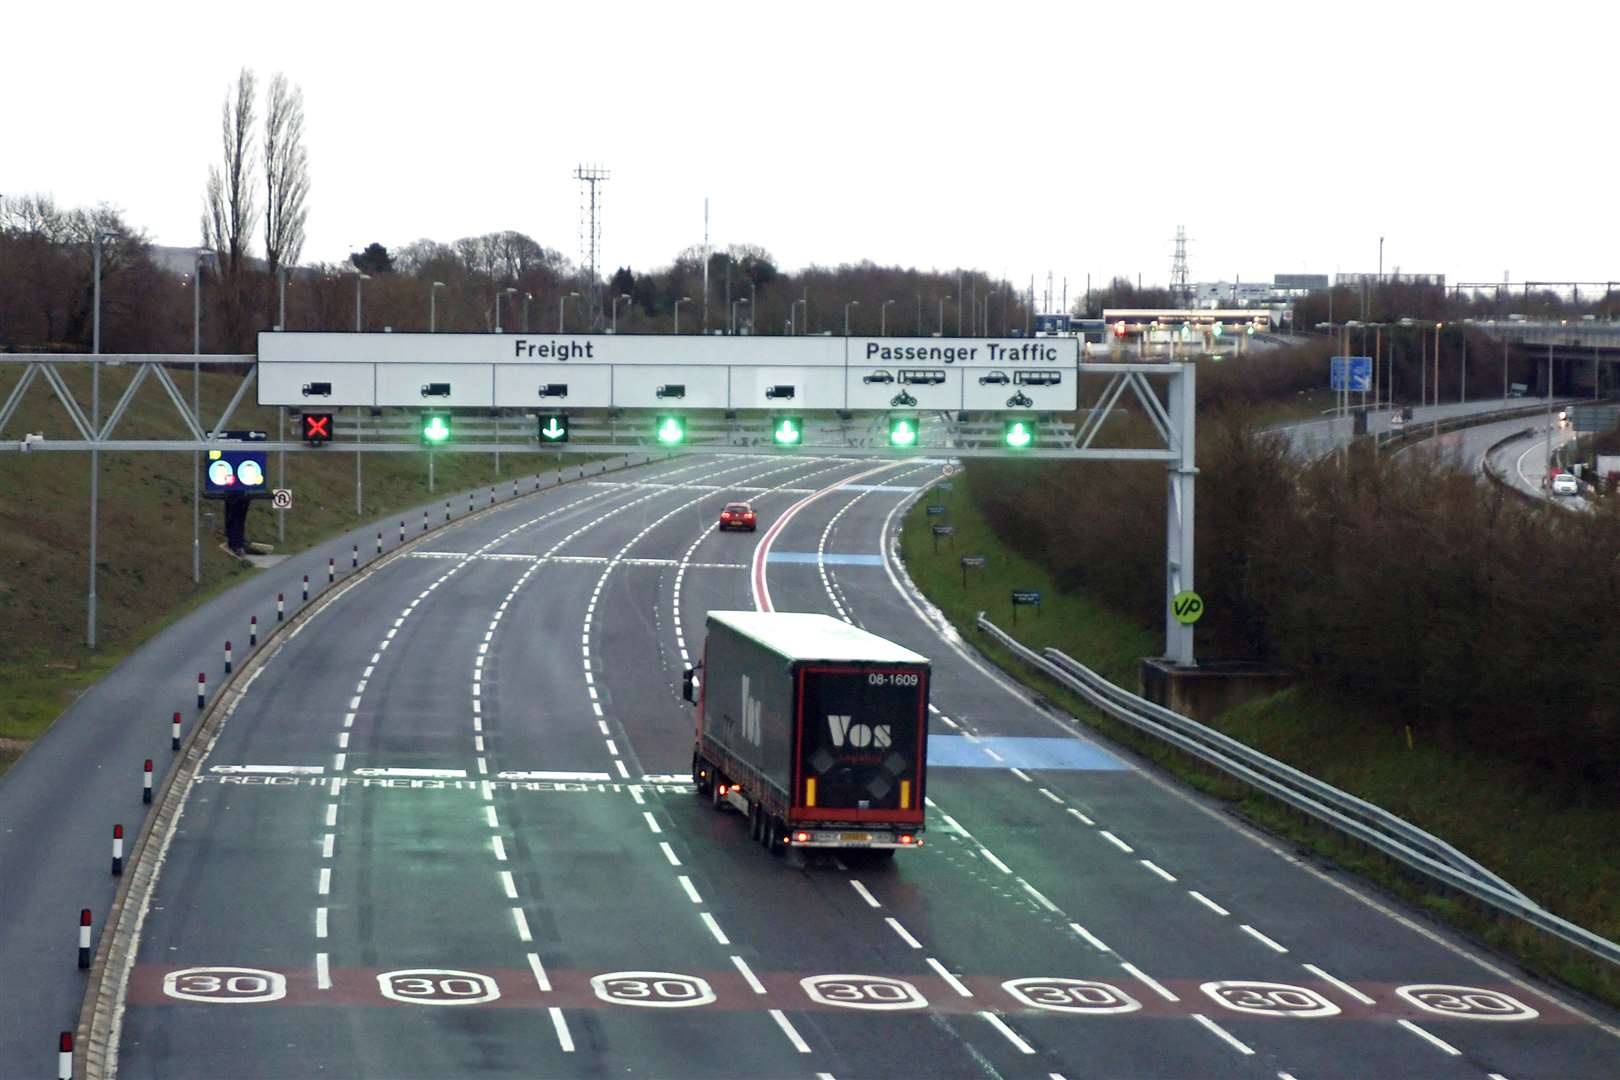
[
  {"x": 902, "y": 432},
  {"x": 317, "y": 428},
  {"x": 435, "y": 428},
  {"x": 553, "y": 428},
  {"x": 1018, "y": 433},
  {"x": 787, "y": 430},
  {"x": 670, "y": 430}
]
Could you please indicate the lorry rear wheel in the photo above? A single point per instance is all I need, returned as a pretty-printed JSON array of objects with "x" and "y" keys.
[
  {"x": 773, "y": 836},
  {"x": 753, "y": 822},
  {"x": 699, "y": 768}
]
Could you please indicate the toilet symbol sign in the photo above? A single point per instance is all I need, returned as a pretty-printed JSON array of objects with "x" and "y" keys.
[{"x": 1187, "y": 607}]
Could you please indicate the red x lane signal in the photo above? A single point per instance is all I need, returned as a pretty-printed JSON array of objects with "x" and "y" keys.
[{"x": 317, "y": 428}]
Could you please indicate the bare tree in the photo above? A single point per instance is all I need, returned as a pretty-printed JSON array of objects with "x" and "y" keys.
[
  {"x": 230, "y": 207},
  {"x": 286, "y": 175}
]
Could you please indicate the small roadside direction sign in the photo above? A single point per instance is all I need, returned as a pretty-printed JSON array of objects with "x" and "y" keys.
[
  {"x": 1025, "y": 598},
  {"x": 971, "y": 562},
  {"x": 281, "y": 498},
  {"x": 947, "y": 531},
  {"x": 935, "y": 510},
  {"x": 1187, "y": 606}
]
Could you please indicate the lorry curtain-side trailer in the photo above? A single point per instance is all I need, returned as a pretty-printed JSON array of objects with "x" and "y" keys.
[{"x": 815, "y": 729}]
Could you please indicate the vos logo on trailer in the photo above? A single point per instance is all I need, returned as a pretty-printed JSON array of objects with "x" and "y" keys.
[{"x": 847, "y": 733}]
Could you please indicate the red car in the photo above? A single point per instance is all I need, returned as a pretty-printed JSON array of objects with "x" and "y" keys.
[{"x": 737, "y": 516}]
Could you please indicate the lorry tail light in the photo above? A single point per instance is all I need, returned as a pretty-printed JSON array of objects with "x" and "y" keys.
[
  {"x": 908, "y": 840},
  {"x": 801, "y": 837}
]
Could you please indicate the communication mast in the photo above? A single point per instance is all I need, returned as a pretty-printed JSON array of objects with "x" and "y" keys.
[
  {"x": 590, "y": 233},
  {"x": 1180, "y": 292}
]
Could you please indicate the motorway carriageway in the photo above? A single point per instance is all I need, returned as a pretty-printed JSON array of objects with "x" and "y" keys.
[{"x": 448, "y": 831}]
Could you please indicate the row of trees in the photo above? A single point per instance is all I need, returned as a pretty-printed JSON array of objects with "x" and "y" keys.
[{"x": 1404, "y": 584}]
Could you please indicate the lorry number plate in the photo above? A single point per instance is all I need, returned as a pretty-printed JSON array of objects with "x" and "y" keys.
[{"x": 856, "y": 837}]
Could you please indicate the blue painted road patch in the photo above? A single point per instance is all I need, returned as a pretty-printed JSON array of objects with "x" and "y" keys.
[
  {"x": 832, "y": 558},
  {"x": 1019, "y": 752}
]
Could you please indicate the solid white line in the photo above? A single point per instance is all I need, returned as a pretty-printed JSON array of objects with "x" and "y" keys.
[
  {"x": 1207, "y": 902},
  {"x": 1095, "y": 941},
  {"x": 1036, "y": 893},
  {"x": 1116, "y": 841},
  {"x": 1158, "y": 870},
  {"x": 323, "y": 974},
  {"x": 325, "y": 887},
  {"x": 565, "y": 1040},
  {"x": 1003, "y": 867},
  {"x": 539, "y": 970},
  {"x": 1258, "y": 936},
  {"x": 955, "y": 983},
  {"x": 691, "y": 890},
  {"x": 1226, "y": 1035},
  {"x": 1340, "y": 983},
  {"x": 1148, "y": 981},
  {"x": 787, "y": 1029},
  {"x": 714, "y": 928},
  {"x": 320, "y": 922},
  {"x": 905, "y": 936},
  {"x": 1083, "y": 819},
  {"x": 1433, "y": 1040},
  {"x": 669, "y": 853},
  {"x": 522, "y": 925},
  {"x": 871, "y": 901},
  {"x": 652, "y": 822},
  {"x": 1012, "y": 1036},
  {"x": 326, "y": 845},
  {"x": 748, "y": 974},
  {"x": 1051, "y": 796}
]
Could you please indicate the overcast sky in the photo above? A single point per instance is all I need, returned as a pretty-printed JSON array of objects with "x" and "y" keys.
[{"x": 1013, "y": 138}]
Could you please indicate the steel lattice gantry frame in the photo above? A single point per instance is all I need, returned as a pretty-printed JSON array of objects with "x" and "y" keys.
[{"x": 1172, "y": 420}]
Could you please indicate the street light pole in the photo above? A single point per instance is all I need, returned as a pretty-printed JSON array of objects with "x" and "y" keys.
[
  {"x": 433, "y": 306},
  {"x": 734, "y": 303},
  {"x": 852, "y": 303},
  {"x": 678, "y": 303},
  {"x": 498, "y": 293},
  {"x": 883, "y": 319},
  {"x": 196, "y": 413},
  {"x": 281, "y": 290},
  {"x": 616, "y": 299},
  {"x": 942, "y": 316},
  {"x": 358, "y": 278},
  {"x": 95, "y": 434},
  {"x": 562, "y": 302}
]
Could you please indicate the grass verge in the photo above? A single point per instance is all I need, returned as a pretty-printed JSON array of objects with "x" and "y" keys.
[{"x": 1561, "y": 845}]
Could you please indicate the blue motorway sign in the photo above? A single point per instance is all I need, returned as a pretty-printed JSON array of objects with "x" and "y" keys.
[
  {"x": 235, "y": 470},
  {"x": 1353, "y": 373}
]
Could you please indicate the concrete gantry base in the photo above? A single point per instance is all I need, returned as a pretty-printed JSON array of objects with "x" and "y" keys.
[{"x": 1205, "y": 692}]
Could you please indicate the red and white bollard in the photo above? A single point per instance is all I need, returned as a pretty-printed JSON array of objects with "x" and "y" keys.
[
  {"x": 253, "y": 631},
  {"x": 492, "y": 494},
  {"x": 402, "y": 531},
  {"x": 331, "y": 571},
  {"x": 424, "y": 521},
  {"x": 146, "y": 782},
  {"x": 84, "y": 938},
  {"x": 469, "y": 502},
  {"x": 446, "y": 510},
  {"x": 118, "y": 849},
  {"x": 174, "y": 733},
  {"x": 227, "y": 658},
  {"x": 514, "y": 487},
  {"x": 379, "y": 543},
  {"x": 354, "y": 558},
  {"x": 64, "y": 1056},
  {"x": 281, "y": 606},
  {"x": 202, "y": 689}
]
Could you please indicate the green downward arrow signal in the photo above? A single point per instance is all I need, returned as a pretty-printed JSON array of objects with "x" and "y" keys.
[
  {"x": 1018, "y": 435},
  {"x": 903, "y": 434},
  {"x": 553, "y": 430},
  {"x": 670, "y": 431},
  {"x": 787, "y": 433}
]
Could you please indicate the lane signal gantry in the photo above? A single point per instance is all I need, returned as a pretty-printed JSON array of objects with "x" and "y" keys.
[{"x": 317, "y": 428}]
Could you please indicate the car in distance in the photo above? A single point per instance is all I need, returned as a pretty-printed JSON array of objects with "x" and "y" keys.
[
  {"x": 737, "y": 515},
  {"x": 878, "y": 376},
  {"x": 1565, "y": 484},
  {"x": 993, "y": 378}
]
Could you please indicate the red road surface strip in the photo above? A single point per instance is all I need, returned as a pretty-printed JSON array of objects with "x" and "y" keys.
[{"x": 762, "y": 592}]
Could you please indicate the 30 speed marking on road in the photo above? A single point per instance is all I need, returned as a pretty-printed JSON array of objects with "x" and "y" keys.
[
  {"x": 1270, "y": 999},
  {"x": 225, "y": 985},
  {"x": 437, "y": 986},
  {"x": 863, "y": 992},
  {"x": 1072, "y": 995},
  {"x": 652, "y": 989},
  {"x": 1466, "y": 1002}
]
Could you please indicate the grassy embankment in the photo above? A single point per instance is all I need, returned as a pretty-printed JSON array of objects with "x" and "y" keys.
[
  {"x": 144, "y": 543},
  {"x": 1560, "y": 845}
]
